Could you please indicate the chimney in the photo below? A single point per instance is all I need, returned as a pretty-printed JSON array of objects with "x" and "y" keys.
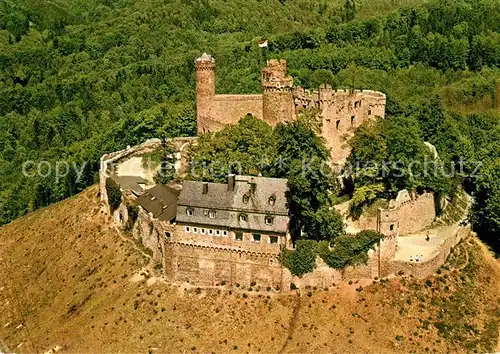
[
  {"x": 230, "y": 182},
  {"x": 205, "y": 187},
  {"x": 253, "y": 186}
]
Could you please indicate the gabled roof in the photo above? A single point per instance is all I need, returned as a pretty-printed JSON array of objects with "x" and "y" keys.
[
  {"x": 161, "y": 201},
  {"x": 257, "y": 197}
]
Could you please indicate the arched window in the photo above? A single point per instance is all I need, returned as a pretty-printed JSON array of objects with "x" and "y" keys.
[
  {"x": 243, "y": 217},
  {"x": 337, "y": 125},
  {"x": 189, "y": 212},
  {"x": 272, "y": 200},
  {"x": 212, "y": 214},
  {"x": 245, "y": 199}
]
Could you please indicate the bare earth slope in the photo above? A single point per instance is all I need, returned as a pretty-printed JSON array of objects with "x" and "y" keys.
[{"x": 65, "y": 280}]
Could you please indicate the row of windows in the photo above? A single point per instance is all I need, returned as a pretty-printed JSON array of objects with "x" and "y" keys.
[
  {"x": 203, "y": 231},
  {"x": 241, "y": 217},
  {"x": 238, "y": 236},
  {"x": 271, "y": 201}
]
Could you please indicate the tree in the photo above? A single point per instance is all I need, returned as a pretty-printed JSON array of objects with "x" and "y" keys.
[
  {"x": 114, "y": 194},
  {"x": 305, "y": 160},
  {"x": 486, "y": 209},
  {"x": 349, "y": 10},
  {"x": 246, "y": 148},
  {"x": 166, "y": 173}
]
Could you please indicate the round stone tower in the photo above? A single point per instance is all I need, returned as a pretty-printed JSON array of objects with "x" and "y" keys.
[
  {"x": 277, "y": 98},
  {"x": 205, "y": 90}
]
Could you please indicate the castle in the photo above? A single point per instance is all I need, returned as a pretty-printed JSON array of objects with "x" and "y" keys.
[
  {"x": 232, "y": 233},
  {"x": 340, "y": 111}
]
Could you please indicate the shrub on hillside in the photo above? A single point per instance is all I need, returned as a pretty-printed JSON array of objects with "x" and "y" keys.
[{"x": 114, "y": 194}]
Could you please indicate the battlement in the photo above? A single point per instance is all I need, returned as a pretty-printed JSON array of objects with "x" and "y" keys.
[
  {"x": 274, "y": 76},
  {"x": 341, "y": 111},
  {"x": 205, "y": 59},
  {"x": 327, "y": 95}
]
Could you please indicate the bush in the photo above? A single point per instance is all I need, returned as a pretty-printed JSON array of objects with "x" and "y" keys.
[
  {"x": 114, "y": 194},
  {"x": 349, "y": 250},
  {"x": 133, "y": 214},
  {"x": 346, "y": 251},
  {"x": 302, "y": 260}
]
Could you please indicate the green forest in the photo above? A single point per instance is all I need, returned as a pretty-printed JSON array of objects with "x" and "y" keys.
[{"x": 84, "y": 77}]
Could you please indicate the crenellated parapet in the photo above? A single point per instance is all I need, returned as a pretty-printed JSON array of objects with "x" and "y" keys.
[{"x": 341, "y": 111}]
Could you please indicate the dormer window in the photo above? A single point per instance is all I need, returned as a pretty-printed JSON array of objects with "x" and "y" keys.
[
  {"x": 272, "y": 200},
  {"x": 212, "y": 214},
  {"x": 243, "y": 217},
  {"x": 269, "y": 220},
  {"x": 246, "y": 198},
  {"x": 189, "y": 212}
]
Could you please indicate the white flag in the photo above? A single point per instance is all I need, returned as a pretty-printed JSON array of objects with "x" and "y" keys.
[{"x": 262, "y": 44}]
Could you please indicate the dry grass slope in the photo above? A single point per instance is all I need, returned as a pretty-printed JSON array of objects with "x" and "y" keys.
[{"x": 66, "y": 273}]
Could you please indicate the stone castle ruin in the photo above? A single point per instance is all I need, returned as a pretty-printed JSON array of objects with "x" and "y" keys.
[
  {"x": 340, "y": 111},
  {"x": 232, "y": 233}
]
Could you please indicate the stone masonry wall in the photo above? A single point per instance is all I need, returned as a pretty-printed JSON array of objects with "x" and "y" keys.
[
  {"x": 228, "y": 110},
  {"x": 425, "y": 269},
  {"x": 341, "y": 112},
  {"x": 210, "y": 265},
  {"x": 142, "y": 231},
  {"x": 107, "y": 160},
  {"x": 225, "y": 238},
  {"x": 412, "y": 215},
  {"x": 405, "y": 215}
]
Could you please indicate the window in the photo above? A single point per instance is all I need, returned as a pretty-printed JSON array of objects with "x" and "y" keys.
[
  {"x": 217, "y": 232},
  {"x": 243, "y": 217},
  {"x": 245, "y": 199},
  {"x": 238, "y": 236},
  {"x": 353, "y": 118},
  {"x": 224, "y": 233},
  {"x": 211, "y": 214},
  {"x": 391, "y": 227},
  {"x": 202, "y": 231},
  {"x": 256, "y": 237},
  {"x": 189, "y": 211},
  {"x": 167, "y": 234},
  {"x": 337, "y": 125},
  {"x": 210, "y": 232},
  {"x": 187, "y": 229},
  {"x": 195, "y": 230},
  {"x": 269, "y": 220},
  {"x": 370, "y": 110},
  {"x": 272, "y": 200},
  {"x": 273, "y": 239}
]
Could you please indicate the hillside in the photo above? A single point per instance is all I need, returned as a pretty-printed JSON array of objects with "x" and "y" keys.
[
  {"x": 69, "y": 279},
  {"x": 83, "y": 78}
]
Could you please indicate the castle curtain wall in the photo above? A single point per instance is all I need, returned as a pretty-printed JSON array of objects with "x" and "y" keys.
[{"x": 229, "y": 109}]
